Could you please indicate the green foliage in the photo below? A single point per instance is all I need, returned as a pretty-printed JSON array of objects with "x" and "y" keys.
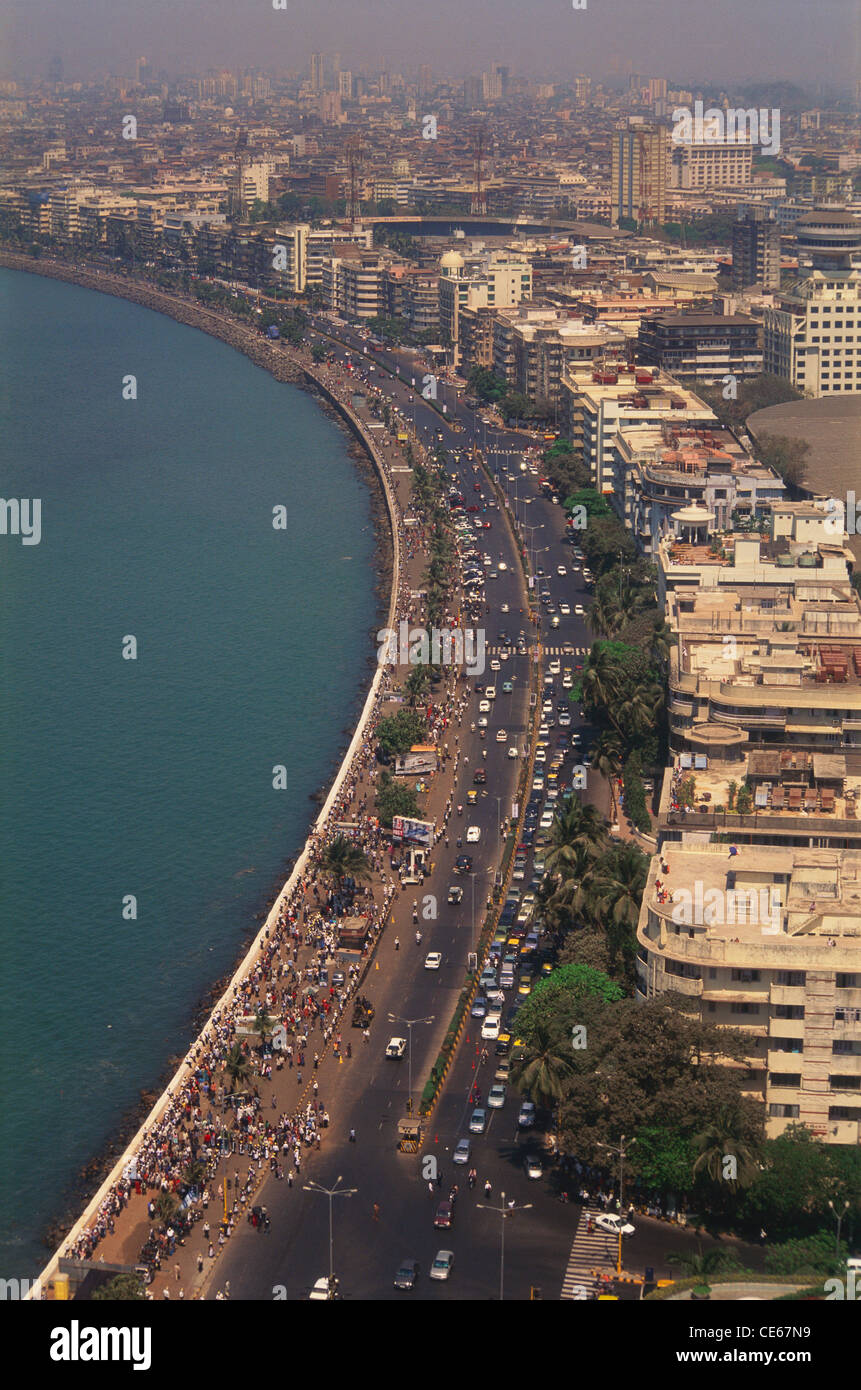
[
  {"x": 553, "y": 999},
  {"x": 809, "y": 1255},
  {"x": 594, "y": 503},
  {"x": 397, "y": 734},
  {"x": 664, "y": 1159},
  {"x": 123, "y": 1288},
  {"x": 395, "y": 799},
  {"x": 786, "y": 456},
  {"x": 635, "y": 794},
  {"x": 754, "y": 393}
]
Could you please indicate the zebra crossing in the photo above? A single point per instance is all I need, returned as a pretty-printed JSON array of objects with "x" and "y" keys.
[
  {"x": 591, "y": 1250},
  {"x": 548, "y": 651}
]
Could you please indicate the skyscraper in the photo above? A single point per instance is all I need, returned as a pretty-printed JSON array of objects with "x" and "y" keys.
[
  {"x": 316, "y": 72},
  {"x": 639, "y": 176},
  {"x": 756, "y": 251}
]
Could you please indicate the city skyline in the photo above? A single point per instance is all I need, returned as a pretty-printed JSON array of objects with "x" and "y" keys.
[{"x": 783, "y": 40}]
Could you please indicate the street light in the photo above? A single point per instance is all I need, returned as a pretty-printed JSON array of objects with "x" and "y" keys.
[
  {"x": 408, "y": 1024},
  {"x": 838, "y": 1216},
  {"x": 620, "y": 1150},
  {"x": 331, "y": 1192},
  {"x": 503, "y": 1211}
]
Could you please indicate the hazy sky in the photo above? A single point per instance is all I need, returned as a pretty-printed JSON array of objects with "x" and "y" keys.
[{"x": 712, "y": 40}]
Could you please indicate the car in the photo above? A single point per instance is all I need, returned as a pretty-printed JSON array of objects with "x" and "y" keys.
[
  {"x": 478, "y": 1121},
  {"x": 512, "y": 752},
  {"x": 540, "y": 755},
  {"x": 338, "y": 979},
  {"x": 561, "y": 570},
  {"x": 479, "y": 1006},
  {"x": 502, "y": 565},
  {"x": 579, "y": 610},
  {"x": 507, "y": 687},
  {"x": 471, "y": 797},
  {"x": 490, "y": 693},
  {"x": 613, "y": 1224},
  {"x": 408, "y": 1273},
  {"x": 463, "y": 863},
  {"x": 496, "y": 1094},
  {"x": 555, "y": 667},
  {"x": 532, "y": 1166},
  {"x": 442, "y": 1264},
  {"x": 433, "y": 960},
  {"x": 444, "y": 1216},
  {"x": 501, "y": 736},
  {"x": 565, "y": 609},
  {"x": 455, "y": 893},
  {"x": 320, "y": 1292},
  {"x": 462, "y": 1152},
  {"x": 495, "y": 664},
  {"x": 546, "y": 820},
  {"x": 482, "y": 722},
  {"x": 505, "y": 608},
  {"x": 490, "y": 1029},
  {"x": 526, "y": 1115},
  {"x": 479, "y": 777},
  {"x": 397, "y": 1047},
  {"x": 473, "y": 834},
  {"x": 538, "y": 782},
  {"x": 484, "y": 707},
  {"x": 554, "y": 621}
]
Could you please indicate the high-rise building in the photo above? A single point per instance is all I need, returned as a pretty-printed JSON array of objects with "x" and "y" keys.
[
  {"x": 316, "y": 72},
  {"x": 657, "y": 89},
  {"x": 253, "y": 182},
  {"x": 810, "y": 339},
  {"x": 756, "y": 251},
  {"x": 639, "y": 174},
  {"x": 582, "y": 89},
  {"x": 425, "y": 85},
  {"x": 345, "y": 85},
  {"x": 707, "y": 163}
]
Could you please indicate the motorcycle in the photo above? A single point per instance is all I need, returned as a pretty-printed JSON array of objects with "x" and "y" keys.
[{"x": 460, "y": 810}]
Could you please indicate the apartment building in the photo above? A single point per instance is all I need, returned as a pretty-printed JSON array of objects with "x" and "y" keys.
[
  {"x": 594, "y": 406},
  {"x": 532, "y": 347},
  {"x": 663, "y": 468},
  {"x": 638, "y": 178},
  {"x": 487, "y": 279},
  {"x": 756, "y": 251},
  {"x": 766, "y": 940},
  {"x": 813, "y": 337},
  {"x": 702, "y": 347},
  {"x": 354, "y": 282}
]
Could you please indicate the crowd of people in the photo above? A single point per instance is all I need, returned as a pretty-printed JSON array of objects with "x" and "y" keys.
[{"x": 229, "y": 1100}]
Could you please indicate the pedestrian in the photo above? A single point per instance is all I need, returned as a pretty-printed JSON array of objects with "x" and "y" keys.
[
  {"x": 376, "y": 1211},
  {"x": 397, "y": 944},
  {"x": 487, "y": 1188},
  {"x": 352, "y": 1136}
]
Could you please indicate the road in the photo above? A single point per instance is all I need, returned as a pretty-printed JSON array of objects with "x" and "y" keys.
[{"x": 367, "y": 1252}]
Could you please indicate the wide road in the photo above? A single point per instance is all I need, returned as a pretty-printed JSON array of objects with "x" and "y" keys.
[{"x": 367, "y": 1251}]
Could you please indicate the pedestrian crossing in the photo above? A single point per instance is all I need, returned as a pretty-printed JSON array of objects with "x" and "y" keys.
[
  {"x": 591, "y": 1250},
  {"x": 548, "y": 651}
]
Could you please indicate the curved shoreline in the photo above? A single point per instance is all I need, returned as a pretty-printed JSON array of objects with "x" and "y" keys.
[{"x": 281, "y": 364}]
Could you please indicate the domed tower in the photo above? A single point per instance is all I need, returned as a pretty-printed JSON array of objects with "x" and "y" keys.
[{"x": 831, "y": 237}]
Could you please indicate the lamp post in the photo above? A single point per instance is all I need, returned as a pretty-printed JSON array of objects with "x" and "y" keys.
[
  {"x": 503, "y": 1211},
  {"x": 408, "y": 1024},
  {"x": 331, "y": 1193},
  {"x": 620, "y": 1150},
  {"x": 838, "y": 1214}
]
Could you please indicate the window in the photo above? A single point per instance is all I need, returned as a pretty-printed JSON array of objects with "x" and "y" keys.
[
  {"x": 792, "y": 978},
  {"x": 744, "y": 1008},
  {"x": 787, "y": 1044},
  {"x": 746, "y": 976},
  {"x": 848, "y": 981},
  {"x": 845, "y": 1083},
  {"x": 789, "y": 1011},
  {"x": 783, "y": 1112}
]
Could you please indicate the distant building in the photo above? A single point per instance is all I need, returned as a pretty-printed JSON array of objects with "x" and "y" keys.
[
  {"x": 316, "y": 72},
  {"x": 756, "y": 251},
  {"x": 701, "y": 347},
  {"x": 489, "y": 279},
  {"x": 639, "y": 174}
]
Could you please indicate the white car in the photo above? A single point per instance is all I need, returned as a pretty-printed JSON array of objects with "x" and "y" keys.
[
  {"x": 490, "y": 692},
  {"x": 397, "y": 1047},
  {"x": 555, "y": 667},
  {"x": 482, "y": 723},
  {"x": 433, "y": 960},
  {"x": 484, "y": 707},
  {"x": 512, "y": 752},
  {"x": 473, "y": 835},
  {"x": 533, "y": 1167},
  {"x": 320, "y": 1291},
  {"x": 506, "y": 608},
  {"x": 560, "y": 569},
  {"x": 490, "y": 1029},
  {"x": 613, "y": 1224},
  {"x": 540, "y": 755},
  {"x": 501, "y": 736},
  {"x": 495, "y": 664},
  {"x": 441, "y": 1267},
  {"x": 502, "y": 565},
  {"x": 565, "y": 610},
  {"x": 579, "y": 610}
]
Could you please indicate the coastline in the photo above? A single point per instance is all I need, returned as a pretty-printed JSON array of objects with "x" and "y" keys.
[{"x": 106, "y": 1169}]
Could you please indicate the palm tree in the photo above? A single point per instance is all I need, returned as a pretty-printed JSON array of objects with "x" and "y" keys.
[
  {"x": 578, "y": 827},
  {"x": 604, "y": 617},
  {"x": 262, "y": 1024},
  {"x": 237, "y": 1067},
  {"x": 725, "y": 1137},
  {"x": 607, "y": 754},
  {"x": 569, "y": 890},
  {"x": 701, "y": 1265},
  {"x": 416, "y": 684},
  {"x": 541, "y": 1068},
  {"x": 166, "y": 1207},
  {"x": 343, "y": 859},
  {"x": 193, "y": 1173},
  {"x": 617, "y": 892}
]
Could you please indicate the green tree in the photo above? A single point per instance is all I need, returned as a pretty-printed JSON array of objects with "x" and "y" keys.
[
  {"x": 237, "y": 1067},
  {"x": 788, "y": 457},
  {"x": 701, "y": 1264},
  {"x": 343, "y": 858},
  {"x": 540, "y": 1068},
  {"x": 395, "y": 799},
  {"x": 726, "y": 1137},
  {"x": 123, "y": 1288},
  {"x": 397, "y": 734}
]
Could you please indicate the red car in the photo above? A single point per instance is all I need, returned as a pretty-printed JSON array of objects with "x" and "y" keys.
[
  {"x": 486, "y": 525},
  {"x": 444, "y": 1214}
]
